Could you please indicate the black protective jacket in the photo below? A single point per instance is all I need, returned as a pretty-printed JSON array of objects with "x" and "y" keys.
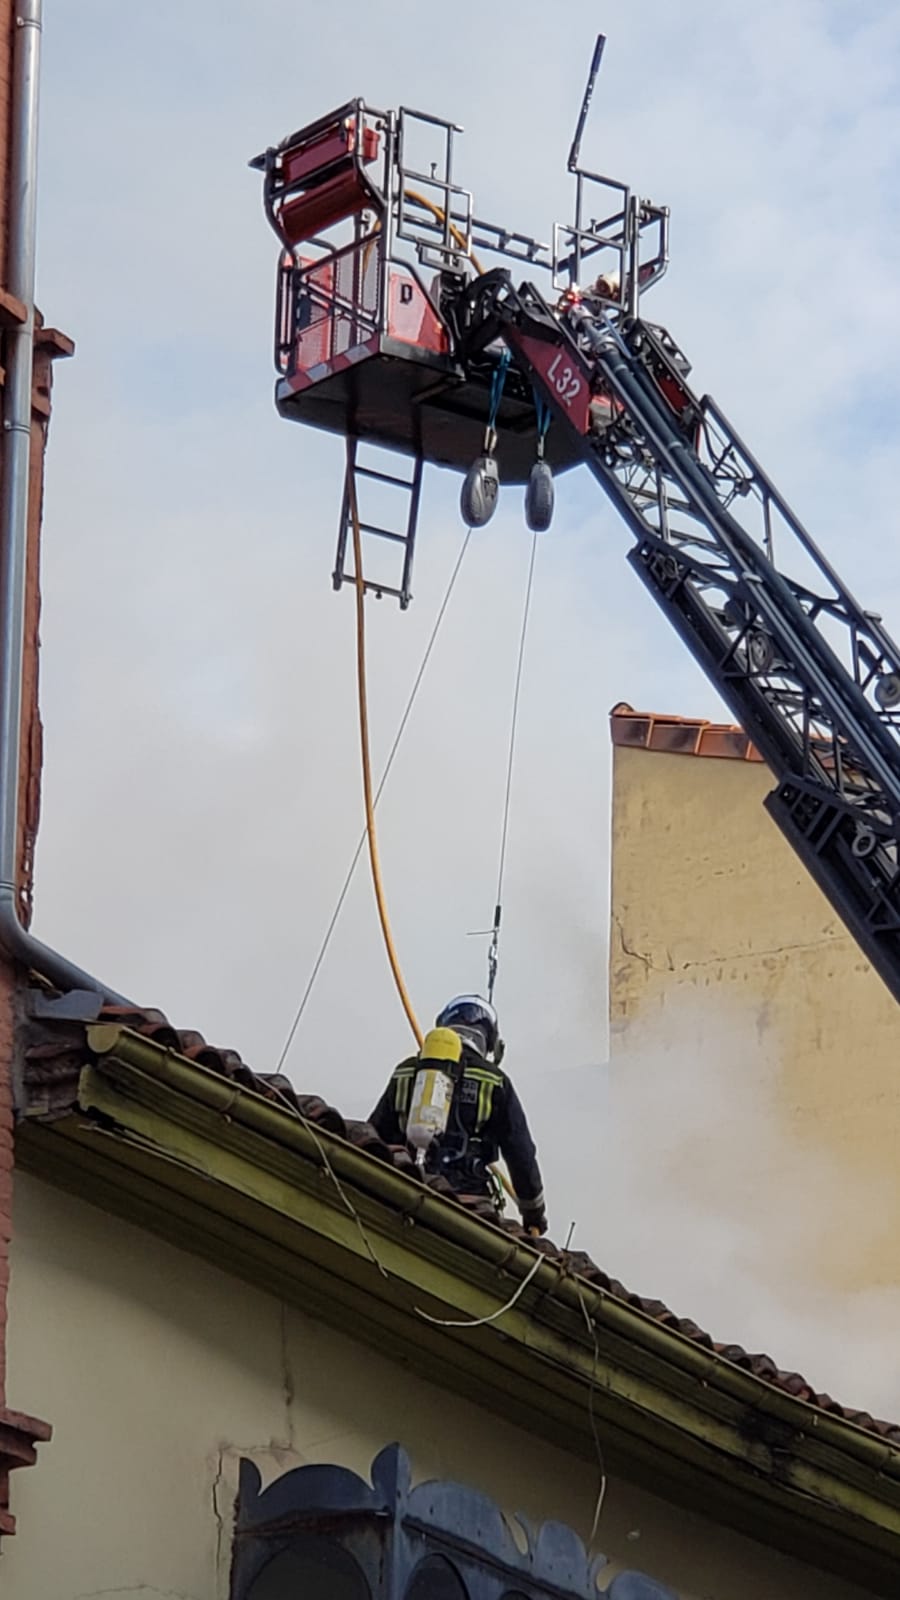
[{"x": 486, "y": 1120}]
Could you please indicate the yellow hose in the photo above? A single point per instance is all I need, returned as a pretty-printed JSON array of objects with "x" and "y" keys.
[
  {"x": 371, "y": 835},
  {"x": 436, "y": 211},
  {"x": 441, "y": 215},
  {"x": 374, "y": 859}
]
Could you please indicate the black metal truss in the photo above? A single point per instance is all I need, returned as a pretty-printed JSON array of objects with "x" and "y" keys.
[{"x": 813, "y": 678}]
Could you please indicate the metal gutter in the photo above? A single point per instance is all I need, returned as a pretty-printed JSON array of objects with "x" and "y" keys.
[
  {"x": 409, "y": 1201},
  {"x": 15, "y": 941}
]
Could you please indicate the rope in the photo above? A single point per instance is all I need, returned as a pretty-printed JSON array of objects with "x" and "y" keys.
[
  {"x": 493, "y": 952},
  {"x": 384, "y": 777},
  {"x": 374, "y": 859},
  {"x": 543, "y": 420}
]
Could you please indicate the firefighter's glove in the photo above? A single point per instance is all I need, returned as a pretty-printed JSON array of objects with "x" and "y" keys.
[{"x": 534, "y": 1220}]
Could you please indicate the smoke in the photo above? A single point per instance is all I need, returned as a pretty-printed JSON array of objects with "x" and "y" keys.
[{"x": 680, "y": 1165}]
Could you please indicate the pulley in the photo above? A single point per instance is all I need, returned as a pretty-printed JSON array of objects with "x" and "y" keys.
[
  {"x": 481, "y": 484},
  {"x": 760, "y": 650},
  {"x": 865, "y": 842},
  {"x": 478, "y": 495},
  {"x": 539, "y": 491},
  {"x": 539, "y": 497},
  {"x": 887, "y": 691}
]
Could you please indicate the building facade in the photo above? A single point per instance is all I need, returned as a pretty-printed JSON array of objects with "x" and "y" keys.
[
  {"x": 720, "y": 941},
  {"x": 219, "y": 1285},
  {"x": 253, "y": 1356}
]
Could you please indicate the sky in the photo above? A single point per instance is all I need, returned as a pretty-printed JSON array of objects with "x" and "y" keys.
[{"x": 202, "y": 794}]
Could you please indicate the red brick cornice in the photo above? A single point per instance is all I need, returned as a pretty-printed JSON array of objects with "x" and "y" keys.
[{"x": 19, "y": 1438}]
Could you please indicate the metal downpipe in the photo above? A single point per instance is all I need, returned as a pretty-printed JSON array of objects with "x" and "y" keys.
[{"x": 15, "y": 941}]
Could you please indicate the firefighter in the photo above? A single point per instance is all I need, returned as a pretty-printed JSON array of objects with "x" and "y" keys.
[
  {"x": 606, "y": 287},
  {"x": 485, "y": 1117},
  {"x": 604, "y": 290}
]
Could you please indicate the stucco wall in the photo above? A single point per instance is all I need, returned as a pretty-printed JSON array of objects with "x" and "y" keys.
[
  {"x": 715, "y": 920},
  {"x": 157, "y": 1371}
]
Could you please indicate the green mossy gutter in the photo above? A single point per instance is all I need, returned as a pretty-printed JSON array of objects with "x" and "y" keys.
[{"x": 221, "y": 1171}]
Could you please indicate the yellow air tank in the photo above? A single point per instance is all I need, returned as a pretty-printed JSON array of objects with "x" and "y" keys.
[{"x": 439, "y": 1060}]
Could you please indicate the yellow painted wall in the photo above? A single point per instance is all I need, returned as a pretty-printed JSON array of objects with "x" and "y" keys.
[
  {"x": 719, "y": 934},
  {"x": 157, "y": 1371}
]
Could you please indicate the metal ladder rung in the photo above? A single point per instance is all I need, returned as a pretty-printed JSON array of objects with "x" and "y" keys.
[
  {"x": 411, "y": 487},
  {"x": 382, "y": 533},
  {"x": 384, "y": 477},
  {"x": 371, "y": 587}
]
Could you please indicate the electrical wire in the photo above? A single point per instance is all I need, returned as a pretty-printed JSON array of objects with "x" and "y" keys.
[
  {"x": 313, "y": 1132},
  {"x": 481, "y": 1322},
  {"x": 383, "y": 780},
  {"x": 601, "y": 1493},
  {"x": 374, "y": 858},
  {"x": 493, "y": 951}
]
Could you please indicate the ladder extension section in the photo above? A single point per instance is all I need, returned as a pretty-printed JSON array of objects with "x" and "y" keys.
[
  {"x": 813, "y": 678},
  {"x": 407, "y": 490}
]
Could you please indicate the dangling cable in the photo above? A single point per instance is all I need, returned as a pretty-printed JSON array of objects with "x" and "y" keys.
[
  {"x": 493, "y": 951},
  {"x": 345, "y": 889},
  {"x": 374, "y": 859}
]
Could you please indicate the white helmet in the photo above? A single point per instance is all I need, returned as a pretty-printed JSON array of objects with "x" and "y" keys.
[{"x": 471, "y": 1011}]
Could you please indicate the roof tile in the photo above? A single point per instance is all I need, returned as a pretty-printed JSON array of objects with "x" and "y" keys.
[{"x": 686, "y": 736}]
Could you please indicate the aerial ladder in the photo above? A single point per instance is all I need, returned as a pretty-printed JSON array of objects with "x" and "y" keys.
[{"x": 391, "y": 332}]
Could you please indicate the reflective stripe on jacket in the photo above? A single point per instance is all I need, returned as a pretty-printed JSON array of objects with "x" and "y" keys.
[{"x": 486, "y": 1120}]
